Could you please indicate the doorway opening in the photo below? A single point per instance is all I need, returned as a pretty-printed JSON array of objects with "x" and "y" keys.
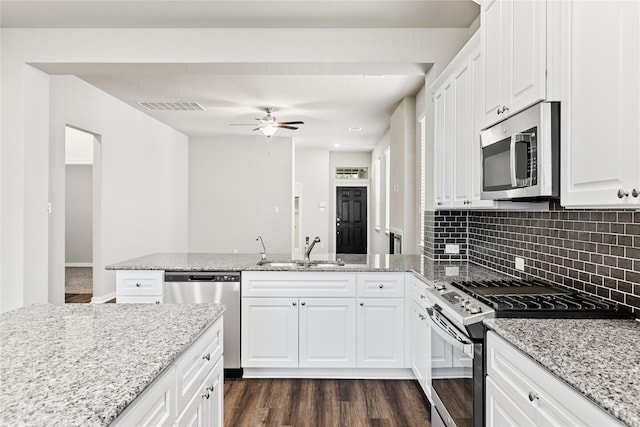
[
  {"x": 79, "y": 214},
  {"x": 351, "y": 220}
]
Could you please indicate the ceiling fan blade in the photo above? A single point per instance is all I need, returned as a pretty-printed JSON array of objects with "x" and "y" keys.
[
  {"x": 291, "y": 123},
  {"x": 287, "y": 127}
]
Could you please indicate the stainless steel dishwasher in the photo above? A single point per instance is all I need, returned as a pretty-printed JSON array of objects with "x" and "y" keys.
[{"x": 194, "y": 287}]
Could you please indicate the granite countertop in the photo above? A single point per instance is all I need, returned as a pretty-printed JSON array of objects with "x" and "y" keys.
[
  {"x": 83, "y": 364},
  {"x": 597, "y": 357},
  {"x": 430, "y": 270}
]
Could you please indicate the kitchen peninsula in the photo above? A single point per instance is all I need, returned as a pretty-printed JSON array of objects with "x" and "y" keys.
[{"x": 86, "y": 364}]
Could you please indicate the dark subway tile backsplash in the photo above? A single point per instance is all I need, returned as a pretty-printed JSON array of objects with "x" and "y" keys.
[{"x": 597, "y": 251}]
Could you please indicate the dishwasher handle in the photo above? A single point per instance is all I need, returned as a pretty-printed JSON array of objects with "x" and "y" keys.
[{"x": 202, "y": 276}]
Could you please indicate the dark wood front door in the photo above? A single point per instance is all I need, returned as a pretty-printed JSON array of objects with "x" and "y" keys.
[{"x": 351, "y": 220}]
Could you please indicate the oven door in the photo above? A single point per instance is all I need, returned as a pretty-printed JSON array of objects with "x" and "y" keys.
[{"x": 452, "y": 354}]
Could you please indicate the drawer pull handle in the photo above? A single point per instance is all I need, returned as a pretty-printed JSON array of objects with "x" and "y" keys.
[
  {"x": 533, "y": 396},
  {"x": 207, "y": 356}
]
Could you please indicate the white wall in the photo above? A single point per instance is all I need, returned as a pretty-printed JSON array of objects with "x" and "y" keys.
[
  {"x": 420, "y": 112},
  {"x": 24, "y": 109},
  {"x": 235, "y": 186},
  {"x": 313, "y": 180},
  {"x": 143, "y": 179},
  {"x": 379, "y": 237},
  {"x": 78, "y": 215}
]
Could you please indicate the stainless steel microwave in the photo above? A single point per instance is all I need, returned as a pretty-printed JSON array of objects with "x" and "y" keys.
[{"x": 521, "y": 155}]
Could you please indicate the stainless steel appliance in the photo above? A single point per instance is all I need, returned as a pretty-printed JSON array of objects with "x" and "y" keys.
[
  {"x": 457, "y": 335},
  {"x": 193, "y": 287},
  {"x": 521, "y": 155}
]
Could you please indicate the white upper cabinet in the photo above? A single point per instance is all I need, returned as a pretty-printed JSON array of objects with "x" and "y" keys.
[
  {"x": 514, "y": 46},
  {"x": 458, "y": 94},
  {"x": 600, "y": 112}
]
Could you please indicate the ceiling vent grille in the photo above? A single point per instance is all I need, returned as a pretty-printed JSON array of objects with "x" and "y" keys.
[{"x": 171, "y": 106}]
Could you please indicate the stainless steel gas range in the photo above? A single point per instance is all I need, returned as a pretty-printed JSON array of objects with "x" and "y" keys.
[{"x": 456, "y": 313}]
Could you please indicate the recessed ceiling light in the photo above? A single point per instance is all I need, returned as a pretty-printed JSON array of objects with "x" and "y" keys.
[{"x": 355, "y": 129}]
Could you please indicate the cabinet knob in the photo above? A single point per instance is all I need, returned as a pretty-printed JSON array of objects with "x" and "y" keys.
[
  {"x": 207, "y": 356},
  {"x": 533, "y": 396},
  {"x": 138, "y": 285},
  {"x": 381, "y": 286},
  {"x": 422, "y": 296},
  {"x": 361, "y": 304},
  {"x": 303, "y": 303},
  {"x": 421, "y": 316},
  {"x": 622, "y": 194},
  {"x": 498, "y": 111},
  {"x": 157, "y": 302},
  {"x": 206, "y": 394},
  {"x": 635, "y": 192},
  {"x": 439, "y": 203},
  {"x": 294, "y": 304}
]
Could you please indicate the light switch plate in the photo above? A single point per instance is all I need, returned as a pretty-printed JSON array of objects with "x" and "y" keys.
[
  {"x": 452, "y": 249},
  {"x": 519, "y": 263}
]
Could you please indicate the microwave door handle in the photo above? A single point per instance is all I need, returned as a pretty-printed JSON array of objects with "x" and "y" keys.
[
  {"x": 512, "y": 162},
  {"x": 464, "y": 346}
]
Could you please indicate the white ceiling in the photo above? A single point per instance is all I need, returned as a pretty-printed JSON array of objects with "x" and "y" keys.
[{"x": 329, "y": 98}]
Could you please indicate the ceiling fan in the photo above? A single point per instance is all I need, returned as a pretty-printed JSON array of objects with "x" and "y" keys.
[{"x": 268, "y": 124}]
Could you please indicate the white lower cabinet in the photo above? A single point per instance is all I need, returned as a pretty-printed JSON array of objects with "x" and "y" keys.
[
  {"x": 139, "y": 286},
  {"x": 308, "y": 327},
  {"x": 420, "y": 337},
  {"x": 380, "y": 332},
  {"x": 520, "y": 392},
  {"x": 189, "y": 392}
]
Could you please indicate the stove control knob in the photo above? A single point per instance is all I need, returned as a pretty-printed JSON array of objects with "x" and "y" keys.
[
  {"x": 463, "y": 302},
  {"x": 475, "y": 309},
  {"x": 440, "y": 287}
]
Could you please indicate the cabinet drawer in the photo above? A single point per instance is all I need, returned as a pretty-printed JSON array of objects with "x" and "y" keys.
[
  {"x": 419, "y": 291},
  {"x": 298, "y": 284},
  {"x": 155, "y": 406},
  {"x": 380, "y": 285},
  {"x": 194, "y": 365},
  {"x": 538, "y": 393},
  {"x": 150, "y": 299},
  {"x": 138, "y": 283}
]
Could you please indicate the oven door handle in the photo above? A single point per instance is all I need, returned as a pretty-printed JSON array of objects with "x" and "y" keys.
[{"x": 448, "y": 331}]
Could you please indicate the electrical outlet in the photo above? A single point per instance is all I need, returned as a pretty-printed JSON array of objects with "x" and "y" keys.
[
  {"x": 452, "y": 249},
  {"x": 519, "y": 263},
  {"x": 452, "y": 271}
]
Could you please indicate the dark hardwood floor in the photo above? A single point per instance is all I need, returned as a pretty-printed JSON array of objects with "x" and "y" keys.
[{"x": 324, "y": 403}]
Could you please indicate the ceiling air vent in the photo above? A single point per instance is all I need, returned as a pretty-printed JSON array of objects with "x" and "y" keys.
[{"x": 171, "y": 106}]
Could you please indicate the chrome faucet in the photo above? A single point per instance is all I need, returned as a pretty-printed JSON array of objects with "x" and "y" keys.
[
  {"x": 264, "y": 250},
  {"x": 308, "y": 248}
]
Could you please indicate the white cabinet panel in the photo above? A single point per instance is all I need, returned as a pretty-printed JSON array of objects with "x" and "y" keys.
[
  {"x": 380, "y": 285},
  {"x": 269, "y": 332},
  {"x": 530, "y": 392},
  {"x": 501, "y": 411},
  {"x": 380, "y": 333},
  {"x": 139, "y": 284},
  {"x": 600, "y": 129},
  {"x": 514, "y": 40},
  {"x": 420, "y": 350},
  {"x": 327, "y": 333}
]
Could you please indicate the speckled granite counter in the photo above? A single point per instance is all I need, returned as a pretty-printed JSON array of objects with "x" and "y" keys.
[
  {"x": 83, "y": 364},
  {"x": 433, "y": 271},
  {"x": 599, "y": 358}
]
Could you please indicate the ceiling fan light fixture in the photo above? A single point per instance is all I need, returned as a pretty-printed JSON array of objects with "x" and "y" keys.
[{"x": 269, "y": 130}]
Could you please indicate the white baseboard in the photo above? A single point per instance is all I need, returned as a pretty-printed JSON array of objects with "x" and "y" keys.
[
  {"x": 104, "y": 298},
  {"x": 341, "y": 373},
  {"x": 78, "y": 264}
]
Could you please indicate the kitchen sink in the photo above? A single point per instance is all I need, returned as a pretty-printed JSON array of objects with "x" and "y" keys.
[{"x": 300, "y": 263}]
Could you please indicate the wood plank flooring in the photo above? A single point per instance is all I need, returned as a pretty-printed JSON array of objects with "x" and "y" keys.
[{"x": 324, "y": 403}]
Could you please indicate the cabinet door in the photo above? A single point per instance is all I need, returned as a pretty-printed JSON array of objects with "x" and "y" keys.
[
  {"x": 420, "y": 336},
  {"x": 214, "y": 395},
  {"x": 327, "y": 333},
  {"x": 269, "y": 332},
  {"x": 493, "y": 51},
  {"x": 462, "y": 134},
  {"x": 526, "y": 31},
  {"x": 380, "y": 333},
  {"x": 600, "y": 126},
  {"x": 442, "y": 145},
  {"x": 501, "y": 410}
]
